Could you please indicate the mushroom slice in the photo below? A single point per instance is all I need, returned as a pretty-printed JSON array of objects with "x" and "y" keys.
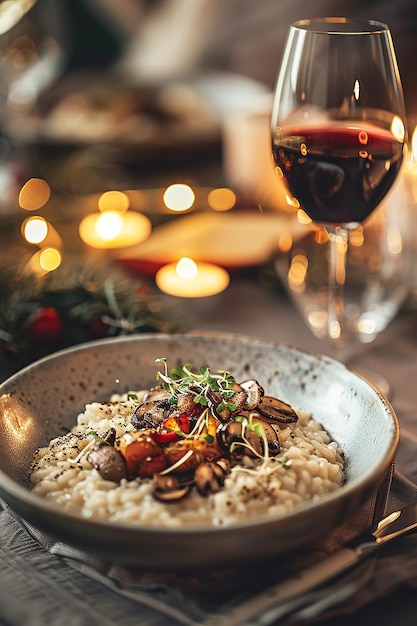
[
  {"x": 215, "y": 399},
  {"x": 186, "y": 404},
  {"x": 225, "y": 464},
  {"x": 110, "y": 436},
  {"x": 271, "y": 434},
  {"x": 150, "y": 413},
  {"x": 109, "y": 462},
  {"x": 168, "y": 488},
  {"x": 156, "y": 393},
  {"x": 276, "y": 410},
  {"x": 238, "y": 399},
  {"x": 228, "y": 433},
  {"x": 246, "y": 441},
  {"x": 254, "y": 393},
  {"x": 209, "y": 478}
]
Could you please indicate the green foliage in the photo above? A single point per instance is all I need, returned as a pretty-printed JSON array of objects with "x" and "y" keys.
[{"x": 89, "y": 302}]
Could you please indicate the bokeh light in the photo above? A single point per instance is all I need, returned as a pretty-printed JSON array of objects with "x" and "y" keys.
[
  {"x": 50, "y": 259},
  {"x": 221, "y": 199},
  {"x": 179, "y": 197},
  {"x": 35, "y": 229},
  {"x": 186, "y": 268},
  {"x": 109, "y": 225},
  {"x": 34, "y": 194},
  {"x": 113, "y": 201}
]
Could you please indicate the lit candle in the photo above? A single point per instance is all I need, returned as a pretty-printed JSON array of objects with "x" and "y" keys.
[
  {"x": 188, "y": 279},
  {"x": 114, "y": 226},
  {"x": 113, "y": 229}
]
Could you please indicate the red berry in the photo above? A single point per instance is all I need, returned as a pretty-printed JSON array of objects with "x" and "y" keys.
[
  {"x": 97, "y": 327},
  {"x": 45, "y": 324},
  {"x": 143, "y": 291}
]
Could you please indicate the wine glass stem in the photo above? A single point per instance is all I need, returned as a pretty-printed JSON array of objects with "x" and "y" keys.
[{"x": 339, "y": 238}]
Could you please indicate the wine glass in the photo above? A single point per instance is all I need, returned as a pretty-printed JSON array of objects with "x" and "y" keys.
[
  {"x": 32, "y": 47},
  {"x": 12, "y": 11},
  {"x": 338, "y": 133}
]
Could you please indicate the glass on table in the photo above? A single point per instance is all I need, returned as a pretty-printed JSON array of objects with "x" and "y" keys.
[
  {"x": 338, "y": 141},
  {"x": 338, "y": 136},
  {"x": 33, "y": 56},
  {"x": 378, "y": 273}
]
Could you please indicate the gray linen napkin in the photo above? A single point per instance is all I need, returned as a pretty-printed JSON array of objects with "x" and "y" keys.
[{"x": 193, "y": 599}]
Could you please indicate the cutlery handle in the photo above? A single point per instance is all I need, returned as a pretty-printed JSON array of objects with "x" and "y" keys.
[{"x": 283, "y": 597}]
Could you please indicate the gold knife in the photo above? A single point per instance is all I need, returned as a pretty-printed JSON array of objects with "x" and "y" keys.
[{"x": 279, "y": 600}]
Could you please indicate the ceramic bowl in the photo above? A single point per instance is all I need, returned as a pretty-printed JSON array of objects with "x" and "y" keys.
[{"x": 42, "y": 400}]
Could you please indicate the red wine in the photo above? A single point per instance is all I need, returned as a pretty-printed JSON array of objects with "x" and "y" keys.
[{"x": 339, "y": 174}]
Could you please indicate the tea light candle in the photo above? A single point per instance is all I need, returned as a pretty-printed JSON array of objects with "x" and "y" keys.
[
  {"x": 188, "y": 279},
  {"x": 113, "y": 229}
]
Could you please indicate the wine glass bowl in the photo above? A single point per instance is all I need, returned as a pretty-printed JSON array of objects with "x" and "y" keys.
[
  {"x": 338, "y": 133},
  {"x": 32, "y": 57},
  {"x": 12, "y": 11}
]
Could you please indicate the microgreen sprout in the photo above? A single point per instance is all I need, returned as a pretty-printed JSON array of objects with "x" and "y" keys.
[
  {"x": 97, "y": 437},
  {"x": 223, "y": 406},
  {"x": 182, "y": 380},
  {"x": 133, "y": 397},
  {"x": 256, "y": 427},
  {"x": 286, "y": 462}
]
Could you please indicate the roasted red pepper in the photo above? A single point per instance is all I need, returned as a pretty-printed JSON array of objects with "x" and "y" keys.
[{"x": 144, "y": 457}]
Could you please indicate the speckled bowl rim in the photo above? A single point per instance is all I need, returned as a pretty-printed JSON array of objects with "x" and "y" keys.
[{"x": 16, "y": 494}]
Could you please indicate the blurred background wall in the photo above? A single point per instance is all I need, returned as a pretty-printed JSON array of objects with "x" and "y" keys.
[{"x": 155, "y": 39}]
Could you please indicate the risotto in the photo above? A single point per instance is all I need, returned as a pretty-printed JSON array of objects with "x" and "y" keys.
[{"x": 191, "y": 455}]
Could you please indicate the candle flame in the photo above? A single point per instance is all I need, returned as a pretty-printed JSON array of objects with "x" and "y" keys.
[
  {"x": 186, "y": 268},
  {"x": 109, "y": 225},
  {"x": 114, "y": 229}
]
